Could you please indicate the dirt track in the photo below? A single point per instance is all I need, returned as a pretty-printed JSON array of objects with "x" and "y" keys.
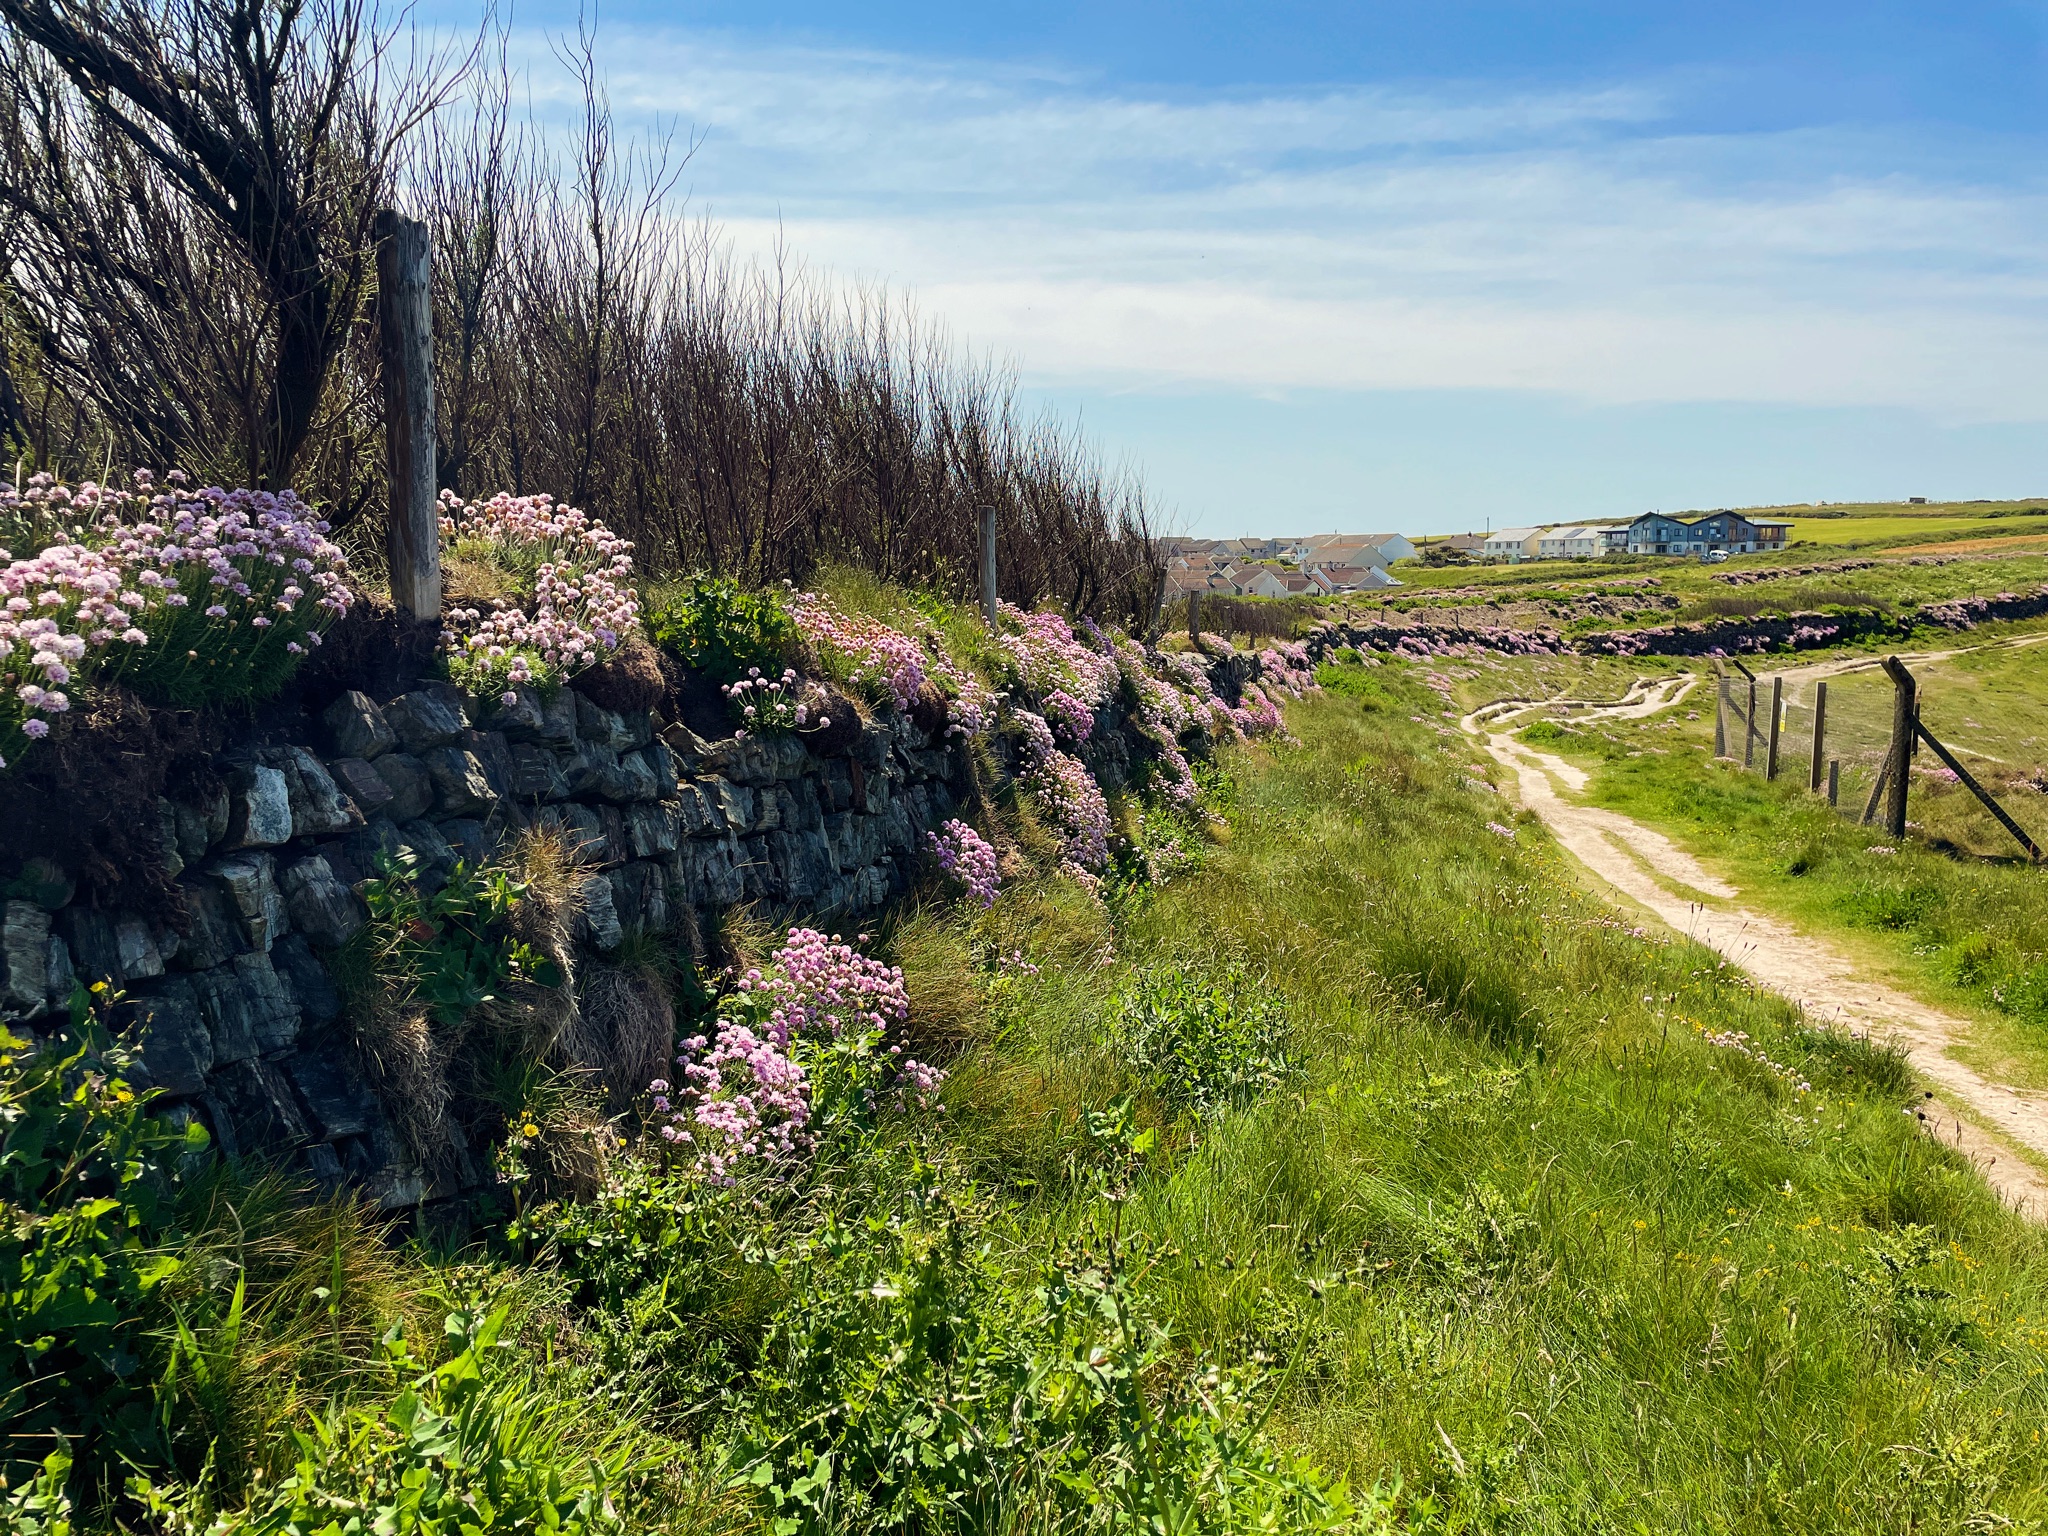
[{"x": 1652, "y": 871}]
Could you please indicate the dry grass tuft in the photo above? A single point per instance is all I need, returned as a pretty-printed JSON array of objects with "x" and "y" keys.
[
  {"x": 947, "y": 1007},
  {"x": 625, "y": 1031}
]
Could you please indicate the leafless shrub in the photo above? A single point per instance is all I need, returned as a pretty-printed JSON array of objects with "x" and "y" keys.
[{"x": 187, "y": 190}]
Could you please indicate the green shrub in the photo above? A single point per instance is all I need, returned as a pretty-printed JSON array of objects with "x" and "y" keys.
[
  {"x": 1354, "y": 681},
  {"x": 447, "y": 950},
  {"x": 464, "y": 1447},
  {"x": 86, "y": 1178},
  {"x": 721, "y": 628},
  {"x": 1204, "y": 1044}
]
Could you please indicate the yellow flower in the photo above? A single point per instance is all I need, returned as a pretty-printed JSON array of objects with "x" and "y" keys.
[{"x": 529, "y": 1129}]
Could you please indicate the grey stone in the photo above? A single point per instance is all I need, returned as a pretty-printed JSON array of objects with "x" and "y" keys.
[
  {"x": 311, "y": 987},
  {"x": 249, "y": 881},
  {"x": 558, "y": 718},
  {"x": 460, "y": 785},
  {"x": 202, "y": 823},
  {"x": 838, "y": 785},
  {"x": 412, "y": 788},
  {"x": 534, "y": 773},
  {"x": 654, "y": 829},
  {"x": 580, "y": 828},
  {"x": 640, "y": 897},
  {"x": 522, "y": 719},
  {"x": 25, "y": 950},
  {"x": 491, "y": 749},
  {"x": 666, "y": 775},
  {"x": 638, "y": 726},
  {"x": 362, "y": 783},
  {"x": 322, "y": 908},
  {"x": 625, "y": 884},
  {"x": 433, "y": 859},
  {"x": 62, "y": 978},
  {"x": 140, "y": 958},
  {"x": 366, "y": 852},
  {"x": 336, "y": 1097},
  {"x": 592, "y": 772},
  {"x": 177, "y": 1049},
  {"x": 599, "y": 919},
  {"x": 687, "y": 745},
  {"x": 256, "y": 1102},
  {"x": 470, "y": 839},
  {"x": 600, "y": 727},
  {"x": 711, "y": 871},
  {"x": 93, "y": 946},
  {"x": 167, "y": 838},
  {"x": 740, "y": 759},
  {"x": 637, "y": 779},
  {"x": 318, "y": 807},
  {"x": 358, "y": 728},
  {"x": 735, "y": 804},
  {"x": 247, "y": 1007},
  {"x": 261, "y": 812},
  {"x": 424, "y": 719},
  {"x": 322, "y": 1163},
  {"x": 759, "y": 878},
  {"x": 698, "y": 816}
]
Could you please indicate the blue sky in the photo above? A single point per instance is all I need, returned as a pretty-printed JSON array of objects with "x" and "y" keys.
[{"x": 1313, "y": 266}]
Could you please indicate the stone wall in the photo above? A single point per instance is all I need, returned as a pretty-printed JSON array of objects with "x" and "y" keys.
[{"x": 229, "y": 990}]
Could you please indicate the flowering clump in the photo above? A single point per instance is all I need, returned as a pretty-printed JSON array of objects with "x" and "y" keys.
[
  {"x": 969, "y": 858},
  {"x": 1050, "y": 661},
  {"x": 1738, "y": 1042},
  {"x": 574, "y": 578},
  {"x": 772, "y": 706},
  {"x": 743, "y": 1097},
  {"x": 885, "y": 663},
  {"x": 819, "y": 986},
  {"x": 189, "y": 596},
  {"x": 1287, "y": 666},
  {"x": 809, "y": 1023},
  {"x": 1072, "y": 804}
]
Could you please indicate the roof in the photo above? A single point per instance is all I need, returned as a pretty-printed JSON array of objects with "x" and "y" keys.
[{"x": 1511, "y": 535}]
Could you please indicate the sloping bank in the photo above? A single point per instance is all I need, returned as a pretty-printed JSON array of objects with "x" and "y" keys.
[{"x": 227, "y": 884}]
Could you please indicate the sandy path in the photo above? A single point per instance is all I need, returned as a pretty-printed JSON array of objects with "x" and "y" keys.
[{"x": 1643, "y": 865}]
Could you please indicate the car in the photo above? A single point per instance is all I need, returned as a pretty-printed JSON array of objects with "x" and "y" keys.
[{"x": 1713, "y": 556}]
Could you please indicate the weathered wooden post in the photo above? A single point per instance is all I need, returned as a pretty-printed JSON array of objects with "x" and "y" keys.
[
  {"x": 1749, "y": 726},
  {"x": 988, "y": 567},
  {"x": 1777, "y": 717},
  {"x": 1721, "y": 716},
  {"x": 1195, "y": 618},
  {"x": 1905, "y": 722},
  {"x": 1834, "y": 782},
  {"x": 405, "y": 334},
  {"x": 1820, "y": 736}
]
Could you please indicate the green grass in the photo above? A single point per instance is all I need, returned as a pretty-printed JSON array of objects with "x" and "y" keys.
[{"x": 1370, "y": 1111}]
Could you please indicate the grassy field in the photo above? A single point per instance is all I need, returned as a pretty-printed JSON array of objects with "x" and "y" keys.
[{"x": 1364, "y": 1137}]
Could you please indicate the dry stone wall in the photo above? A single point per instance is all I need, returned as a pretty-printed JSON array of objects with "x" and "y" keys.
[{"x": 230, "y": 990}]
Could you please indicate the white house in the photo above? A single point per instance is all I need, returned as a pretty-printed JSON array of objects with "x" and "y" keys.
[
  {"x": 1572, "y": 543},
  {"x": 1262, "y": 581},
  {"x": 1514, "y": 545}
]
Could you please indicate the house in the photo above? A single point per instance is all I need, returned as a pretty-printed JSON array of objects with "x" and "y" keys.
[
  {"x": 1262, "y": 581},
  {"x": 1513, "y": 545},
  {"x": 1350, "y": 578},
  {"x": 1380, "y": 549},
  {"x": 1658, "y": 533},
  {"x": 1614, "y": 540},
  {"x": 1573, "y": 543}
]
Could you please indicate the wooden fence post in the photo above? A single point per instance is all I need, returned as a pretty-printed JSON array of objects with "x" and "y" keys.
[
  {"x": 1834, "y": 782},
  {"x": 1749, "y": 728},
  {"x": 1777, "y": 716},
  {"x": 1820, "y": 734},
  {"x": 1905, "y": 719},
  {"x": 405, "y": 333},
  {"x": 1195, "y": 618},
  {"x": 988, "y": 567},
  {"x": 1721, "y": 718}
]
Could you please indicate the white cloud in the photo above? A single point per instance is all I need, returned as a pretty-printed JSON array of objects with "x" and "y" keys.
[{"x": 1576, "y": 242}]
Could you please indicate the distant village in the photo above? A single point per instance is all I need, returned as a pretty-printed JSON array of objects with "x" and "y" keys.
[{"x": 1330, "y": 563}]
